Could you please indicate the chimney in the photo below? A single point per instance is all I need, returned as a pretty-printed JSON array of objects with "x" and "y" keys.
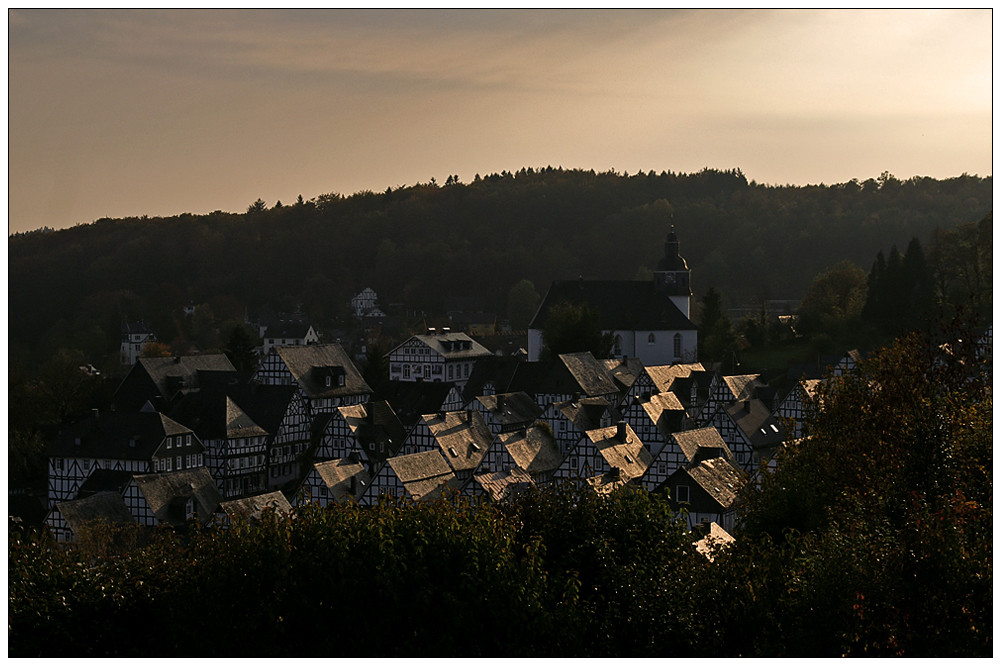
[
  {"x": 500, "y": 403},
  {"x": 354, "y": 484},
  {"x": 468, "y": 416},
  {"x": 576, "y": 398},
  {"x": 746, "y": 405},
  {"x": 622, "y": 430}
]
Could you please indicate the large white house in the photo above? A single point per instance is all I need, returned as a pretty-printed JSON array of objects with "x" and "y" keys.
[
  {"x": 649, "y": 320},
  {"x": 437, "y": 357}
]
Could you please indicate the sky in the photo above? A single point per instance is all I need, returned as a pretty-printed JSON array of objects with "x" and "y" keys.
[{"x": 126, "y": 113}]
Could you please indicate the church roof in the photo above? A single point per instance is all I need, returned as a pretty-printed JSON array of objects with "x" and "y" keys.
[{"x": 620, "y": 304}]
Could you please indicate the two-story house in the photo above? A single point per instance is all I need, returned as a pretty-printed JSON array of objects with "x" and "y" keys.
[{"x": 437, "y": 357}]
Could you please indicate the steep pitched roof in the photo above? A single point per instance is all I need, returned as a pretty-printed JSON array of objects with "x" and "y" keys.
[
  {"x": 252, "y": 507},
  {"x": 663, "y": 376},
  {"x": 622, "y": 450},
  {"x": 462, "y": 436},
  {"x": 116, "y": 435},
  {"x": 104, "y": 480},
  {"x": 167, "y": 493},
  {"x": 716, "y": 537},
  {"x": 584, "y": 412},
  {"x": 495, "y": 370},
  {"x": 451, "y": 345},
  {"x": 591, "y": 375},
  {"x": 311, "y": 365},
  {"x": 181, "y": 372},
  {"x": 533, "y": 449},
  {"x": 424, "y": 475},
  {"x": 106, "y": 506},
  {"x": 375, "y": 422},
  {"x": 501, "y": 484},
  {"x": 340, "y": 475},
  {"x": 758, "y": 424},
  {"x": 703, "y": 442},
  {"x": 743, "y": 385},
  {"x": 288, "y": 330},
  {"x": 412, "y": 399},
  {"x": 720, "y": 479},
  {"x": 511, "y": 408},
  {"x": 625, "y": 372},
  {"x": 621, "y": 305}
]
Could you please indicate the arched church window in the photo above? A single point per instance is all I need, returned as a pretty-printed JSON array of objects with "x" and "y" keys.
[
  {"x": 652, "y": 338},
  {"x": 677, "y": 345}
]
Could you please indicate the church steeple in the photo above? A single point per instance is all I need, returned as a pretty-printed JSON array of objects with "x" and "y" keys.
[{"x": 672, "y": 275}]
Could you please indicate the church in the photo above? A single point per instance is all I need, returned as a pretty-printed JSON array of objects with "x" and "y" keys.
[{"x": 649, "y": 320}]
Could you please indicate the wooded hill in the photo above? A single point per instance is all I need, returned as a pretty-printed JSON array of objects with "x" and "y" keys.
[{"x": 429, "y": 245}]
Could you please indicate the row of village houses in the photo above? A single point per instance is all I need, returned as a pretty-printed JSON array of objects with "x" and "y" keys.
[{"x": 186, "y": 438}]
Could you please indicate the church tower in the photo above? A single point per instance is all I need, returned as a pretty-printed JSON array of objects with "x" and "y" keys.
[{"x": 672, "y": 275}]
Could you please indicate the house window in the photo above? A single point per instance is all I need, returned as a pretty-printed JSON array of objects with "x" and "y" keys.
[
  {"x": 328, "y": 381},
  {"x": 683, "y": 494},
  {"x": 170, "y": 443},
  {"x": 677, "y": 345},
  {"x": 652, "y": 338},
  {"x": 406, "y": 371},
  {"x": 189, "y": 439},
  {"x": 451, "y": 372}
]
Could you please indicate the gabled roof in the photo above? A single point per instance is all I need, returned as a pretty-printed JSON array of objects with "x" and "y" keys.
[
  {"x": 462, "y": 436},
  {"x": 533, "y": 449},
  {"x": 116, "y": 435},
  {"x": 104, "y": 480},
  {"x": 622, "y": 450},
  {"x": 663, "y": 376},
  {"x": 450, "y": 345},
  {"x": 625, "y": 372},
  {"x": 424, "y": 475},
  {"x": 412, "y": 399},
  {"x": 310, "y": 365},
  {"x": 715, "y": 538},
  {"x": 584, "y": 412},
  {"x": 720, "y": 479},
  {"x": 252, "y": 507},
  {"x": 495, "y": 370},
  {"x": 703, "y": 442},
  {"x": 288, "y": 330},
  {"x": 340, "y": 475},
  {"x": 375, "y": 422},
  {"x": 754, "y": 418},
  {"x": 511, "y": 408},
  {"x": 591, "y": 375},
  {"x": 106, "y": 506},
  {"x": 167, "y": 494},
  {"x": 181, "y": 372},
  {"x": 743, "y": 385},
  {"x": 501, "y": 484},
  {"x": 665, "y": 411},
  {"x": 621, "y": 305}
]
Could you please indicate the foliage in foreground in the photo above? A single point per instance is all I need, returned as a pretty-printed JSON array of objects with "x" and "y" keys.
[{"x": 874, "y": 537}]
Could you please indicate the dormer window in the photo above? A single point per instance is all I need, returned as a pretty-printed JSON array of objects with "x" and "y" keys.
[{"x": 329, "y": 381}]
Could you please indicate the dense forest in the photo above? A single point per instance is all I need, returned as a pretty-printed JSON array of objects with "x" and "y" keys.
[
  {"x": 429, "y": 246},
  {"x": 872, "y": 538}
]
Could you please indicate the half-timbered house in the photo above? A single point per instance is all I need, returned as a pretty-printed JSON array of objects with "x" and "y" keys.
[
  {"x": 68, "y": 519},
  {"x": 336, "y": 481},
  {"x": 798, "y": 405},
  {"x": 324, "y": 374},
  {"x": 461, "y": 437},
  {"x": 420, "y": 476},
  {"x": 251, "y": 508},
  {"x": 655, "y": 418},
  {"x": 571, "y": 419},
  {"x": 437, "y": 357},
  {"x": 499, "y": 485},
  {"x": 507, "y": 412},
  {"x": 750, "y": 430},
  {"x": 370, "y": 430},
  {"x": 173, "y": 498},
  {"x": 602, "y": 450},
  {"x": 160, "y": 381},
  {"x": 683, "y": 448},
  {"x": 533, "y": 449},
  {"x": 708, "y": 490},
  {"x": 145, "y": 442}
]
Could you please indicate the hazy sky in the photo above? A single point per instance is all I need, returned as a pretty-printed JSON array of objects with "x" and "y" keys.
[{"x": 120, "y": 113}]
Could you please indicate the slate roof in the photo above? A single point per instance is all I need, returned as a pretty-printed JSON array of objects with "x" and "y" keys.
[
  {"x": 252, "y": 507},
  {"x": 584, "y": 412},
  {"x": 265, "y": 405},
  {"x": 375, "y": 422},
  {"x": 462, "y": 436},
  {"x": 181, "y": 372},
  {"x": 755, "y": 419},
  {"x": 517, "y": 408},
  {"x": 621, "y": 305},
  {"x": 451, "y": 345},
  {"x": 663, "y": 376},
  {"x": 287, "y": 330},
  {"x": 495, "y": 370},
  {"x": 624, "y": 371},
  {"x": 625, "y": 453},
  {"x": 412, "y": 399},
  {"x": 104, "y": 480},
  {"x": 339, "y": 475},
  {"x": 311, "y": 364},
  {"x": 424, "y": 475},
  {"x": 109, "y": 436},
  {"x": 501, "y": 484},
  {"x": 212, "y": 414},
  {"x": 665, "y": 411},
  {"x": 591, "y": 375},
  {"x": 106, "y": 506},
  {"x": 716, "y": 537},
  {"x": 607, "y": 482},
  {"x": 720, "y": 479},
  {"x": 702, "y": 442},
  {"x": 533, "y": 449},
  {"x": 167, "y": 493},
  {"x": 743, "y": 385}
]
